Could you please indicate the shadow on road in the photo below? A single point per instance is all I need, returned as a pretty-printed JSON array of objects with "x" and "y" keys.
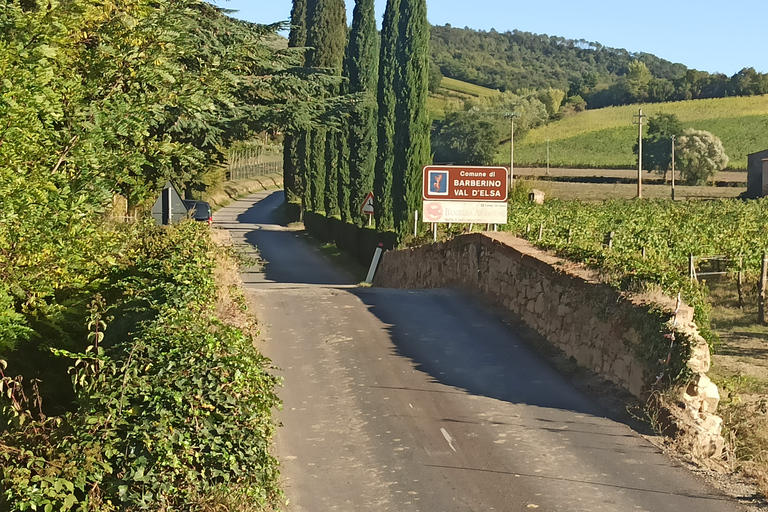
[
  {"x": 461, "y": 344},
  {"x": 287, "y": 259}
]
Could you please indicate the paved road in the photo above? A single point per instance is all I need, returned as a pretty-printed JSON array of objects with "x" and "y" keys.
[{"x": 399, "y": 400}]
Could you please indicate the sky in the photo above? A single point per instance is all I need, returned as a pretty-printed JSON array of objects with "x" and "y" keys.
[{"x": 709, "y": 35}]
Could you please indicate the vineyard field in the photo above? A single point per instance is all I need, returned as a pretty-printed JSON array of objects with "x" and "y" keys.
[
  {"x": 651, "y": 240},
  {"x": 605, "y": 137}
]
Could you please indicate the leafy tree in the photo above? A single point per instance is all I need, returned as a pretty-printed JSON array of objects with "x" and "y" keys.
[
  {"x": 701, "y": 155},
  {"x": 467, "y": 138},
  {"x": 657, "y": 141},
  {"x": 97, "y": 99},
  {"x": 637, "y": 81},
  {"x": 552, "y": 99},
  {"x": 435, "y": 77},
  {"x": 361, "y": 69},
  {"x": 603, "y": 76}
]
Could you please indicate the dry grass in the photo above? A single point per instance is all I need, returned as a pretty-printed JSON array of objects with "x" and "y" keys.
[
  {"x": 231, "y": 304},
  {"x": 740, "y": 370}
]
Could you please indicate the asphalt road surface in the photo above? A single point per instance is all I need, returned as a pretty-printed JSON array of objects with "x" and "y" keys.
[{"x": 402, "y": 400}]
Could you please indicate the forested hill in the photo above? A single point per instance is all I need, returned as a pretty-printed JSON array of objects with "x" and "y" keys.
[{"x": 602, "y": 76}]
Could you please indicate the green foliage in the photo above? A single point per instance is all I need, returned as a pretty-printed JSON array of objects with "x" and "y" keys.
[
  {"x": 326, "y": 33},
  {"x": 605, "y": 137},
  {"x": 167, "y": 417},
  {"x": 657, "y": 141},
  {"x": 451, "y": 84},
  {"x": 331, "y": 205},
  {"x": 361, "y": 68},
  {"x": 383, "y": 186},
  {"x": 701, "y": 155},
  {"x": 435, "y": 77},
  {"x": 316, "y": 170},
  {"x": 516, "y": 60},
  {"x": 603, "y": 76},
  {"x": 467, "y": 138},
  {"x": 552, "y": 100},
  {"x": 668, "y": 231},
  {"x": 293, "y": 181},
  {"x": 326, "y": 41},
  {"x": 637, "y": 81},
  {"x": 412, "y": 122}
]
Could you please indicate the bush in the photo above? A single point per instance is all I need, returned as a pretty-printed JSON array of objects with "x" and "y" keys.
[{"x": 175, "y": 415}]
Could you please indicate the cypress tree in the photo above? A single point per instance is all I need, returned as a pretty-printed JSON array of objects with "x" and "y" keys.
[
  {"x": 294, "y": 146},
  {"x": 385, "y": 154},
  {"x": 412, "y": 121},
  {"x": 327, "y": 37},
  {"x": 316, "y": 170},
  {"x": 361, "y": 67}
]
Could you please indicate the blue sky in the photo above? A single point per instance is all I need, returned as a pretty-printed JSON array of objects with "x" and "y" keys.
[{"x": 715, "y": 36}]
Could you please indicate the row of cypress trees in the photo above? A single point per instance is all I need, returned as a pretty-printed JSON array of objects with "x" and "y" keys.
[{"x": 383, "y": 143}]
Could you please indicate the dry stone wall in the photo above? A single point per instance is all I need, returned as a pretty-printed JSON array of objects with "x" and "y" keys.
[{"x": 600, "y": 327}]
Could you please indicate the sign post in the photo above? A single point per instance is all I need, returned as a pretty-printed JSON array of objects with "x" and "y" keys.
[{"x": 465, "y": 194}]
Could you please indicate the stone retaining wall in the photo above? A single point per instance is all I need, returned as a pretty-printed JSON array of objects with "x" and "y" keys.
[{"x": 600, "y": 327}]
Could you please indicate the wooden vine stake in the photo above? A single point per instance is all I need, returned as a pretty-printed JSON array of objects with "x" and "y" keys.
[
  {"x": 740, "y": 283},
  {"x": 761, "y": 292}
]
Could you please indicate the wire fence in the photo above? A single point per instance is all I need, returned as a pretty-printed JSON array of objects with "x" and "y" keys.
[{"x": 247, "y": 164}]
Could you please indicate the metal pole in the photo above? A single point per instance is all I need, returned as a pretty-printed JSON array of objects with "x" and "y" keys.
[
  {"x": 511, "y": 150},
  {"x": 547, "y": 157}
]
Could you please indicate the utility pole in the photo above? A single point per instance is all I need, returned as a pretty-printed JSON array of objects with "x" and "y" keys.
[
  {"x": 640, "y": 117},
  {"x": 511, "y": 149},
  {"x": 673, "y": 167}
]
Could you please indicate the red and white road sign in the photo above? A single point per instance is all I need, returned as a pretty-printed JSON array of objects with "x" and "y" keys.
[{"x": 367, "y": 206}]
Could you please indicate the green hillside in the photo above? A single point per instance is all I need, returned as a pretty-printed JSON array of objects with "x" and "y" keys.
[
  {"x": 451, "y": 96},
  {"x": 604, "y": 137}
]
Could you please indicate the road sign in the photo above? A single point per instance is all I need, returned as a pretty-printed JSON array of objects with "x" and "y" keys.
[
  {"x": 465, "y": 194},
  {"x": 367, "y": 206},
  {"x": 464, "y": 183}
]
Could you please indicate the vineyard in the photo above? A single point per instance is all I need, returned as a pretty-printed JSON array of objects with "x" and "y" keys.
[
  {"x": 604, "y": 137},
  {"x": 642, "y": 244}
]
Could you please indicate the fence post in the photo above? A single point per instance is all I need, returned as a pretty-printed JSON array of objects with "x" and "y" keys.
[
  {"x": 761, "y": 292},
  {"x": 740, "y": 283},
  {"x": 691, "y": 269},
  {"x": 541, "y": 231},
  {"x": 610, "y": 239}
]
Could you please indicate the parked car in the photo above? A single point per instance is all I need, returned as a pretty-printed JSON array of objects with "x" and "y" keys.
[{"x": 199, "y": 211}]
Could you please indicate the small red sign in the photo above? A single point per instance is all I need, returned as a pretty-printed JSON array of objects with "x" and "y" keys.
[{"x": 465, "y": 183}]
